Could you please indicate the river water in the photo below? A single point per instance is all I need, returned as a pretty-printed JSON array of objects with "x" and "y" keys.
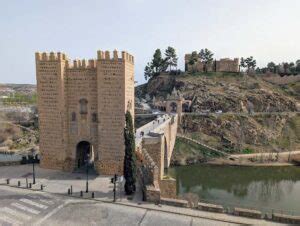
[
  {"x": 263, "y": 188},
  {"x": 10, "y": 157}
]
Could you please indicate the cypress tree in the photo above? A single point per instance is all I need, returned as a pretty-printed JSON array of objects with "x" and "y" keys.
[{"x": 130, "y": 157}]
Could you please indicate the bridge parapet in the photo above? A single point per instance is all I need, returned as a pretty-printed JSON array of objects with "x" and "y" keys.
[{"x": 155, "y": 142}]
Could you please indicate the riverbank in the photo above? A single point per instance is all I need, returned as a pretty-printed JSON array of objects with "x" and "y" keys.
[
  {"x": 228, "y": 162},
  {"x": 254, "y": 159},
  {"x": 261, "y": 159}
]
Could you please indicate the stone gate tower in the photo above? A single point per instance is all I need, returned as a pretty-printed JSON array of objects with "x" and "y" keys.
[{"x": 82, "y": 108}]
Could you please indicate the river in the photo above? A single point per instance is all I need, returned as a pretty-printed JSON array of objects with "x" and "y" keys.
[
  {"x": 263, "y": 188},
  {"x": 10, "y": 157}
]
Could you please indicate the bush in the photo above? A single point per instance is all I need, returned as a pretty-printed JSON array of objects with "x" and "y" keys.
[{"x": 247, "y": 151}]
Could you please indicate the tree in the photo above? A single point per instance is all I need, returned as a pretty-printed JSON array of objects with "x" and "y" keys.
[
  {"x": 298, "y": 66},
  {"x": 130, "y": 157},
  {"x": 148, "y": 71},
  {"x": 206, "y": 56},
  {"x": 158, "y": 63},
  {"x": 258, "y": 70},
  {"x": 272, "y": 66},
  {"x": 292, "y": 68},
  {"x": 248, "y": 63},
  {"x": 193, "y": 59},
  {"x": 286, "y": 67},
  {"x": 171, "y": 57},
  {"x": 156, "y": 66}
]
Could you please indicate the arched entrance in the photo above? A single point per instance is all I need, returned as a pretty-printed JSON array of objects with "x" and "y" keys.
[
  {"x": 185, "y": 107},
  {"x": 84, "y": 155},
  {"x": 173, "y": 106}
]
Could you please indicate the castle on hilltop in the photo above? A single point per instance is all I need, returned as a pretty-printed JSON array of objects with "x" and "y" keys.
[
  {"x": 82, "y": 108},
  {"x": 222, "y": 65}
]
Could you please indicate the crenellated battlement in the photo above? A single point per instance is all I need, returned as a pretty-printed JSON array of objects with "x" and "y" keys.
[
  {"x": 81, "y": 64},
  {"x": 50, "y": 56},
  {"x": 124, "y": 56}
]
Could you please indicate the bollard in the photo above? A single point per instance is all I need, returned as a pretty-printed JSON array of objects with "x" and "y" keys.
[
  {"x": 30, "y": 185},
  {"x": 81, "y": 193},
  {"x": 7, "y": 181},
  {"x": 26, "y": 182},
  {"x": 69, "y": 191},
  {"x": 93, "y": 195},
  {"x": 19, "y": 183}
]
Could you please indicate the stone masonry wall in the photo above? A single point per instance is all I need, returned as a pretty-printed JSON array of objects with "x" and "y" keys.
[
  {"x": 168, "y": 188},
  {"x": 115, "y": 96},
  {"x": 222, "y": 65},
  {"x": 155, "y": 148},
  {"x": 50, "y": 71}
]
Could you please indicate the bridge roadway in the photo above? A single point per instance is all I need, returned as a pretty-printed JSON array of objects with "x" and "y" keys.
[{"x": 144, "y": 130}]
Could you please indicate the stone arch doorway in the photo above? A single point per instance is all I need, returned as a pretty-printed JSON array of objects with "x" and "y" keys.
[
  {"x": 185, "y": 107},
  {"x": 173, "y": 107},
  {"x": 84, "y": 155}
]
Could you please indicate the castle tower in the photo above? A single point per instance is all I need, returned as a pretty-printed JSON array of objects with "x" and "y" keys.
[
  {"x": 82, "y": 110},
  {"x": 115, "y": 83},
  {"x": 50, "y": 71}
]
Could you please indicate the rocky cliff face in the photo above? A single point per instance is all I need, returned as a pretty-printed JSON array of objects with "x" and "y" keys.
[
  {"x": 229, "y": 93},
  {"x": 235, "y": 133}
]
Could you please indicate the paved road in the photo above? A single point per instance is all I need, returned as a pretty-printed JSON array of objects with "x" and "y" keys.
[{"x": 24, "y": 207}]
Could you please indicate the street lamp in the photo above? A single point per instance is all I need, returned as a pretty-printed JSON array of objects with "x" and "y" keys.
[
  {"x": 87, "y": 173},
  {"x": 33, "y": 170}
]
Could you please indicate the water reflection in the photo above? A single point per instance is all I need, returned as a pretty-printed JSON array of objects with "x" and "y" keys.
[{"x": 265, "y": 187}]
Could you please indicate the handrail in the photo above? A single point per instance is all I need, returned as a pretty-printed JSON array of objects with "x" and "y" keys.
[{"x": 202, "y": 144}]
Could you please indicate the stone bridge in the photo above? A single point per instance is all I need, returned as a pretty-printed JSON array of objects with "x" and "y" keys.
[
  {"x": 154, "y": 144},
  {"x": 160, "y": 133}
]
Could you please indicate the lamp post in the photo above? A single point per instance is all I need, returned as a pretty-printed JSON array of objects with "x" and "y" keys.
[
  {"x": 33, "y": 170},
  {"x": 87, "y": 173}
]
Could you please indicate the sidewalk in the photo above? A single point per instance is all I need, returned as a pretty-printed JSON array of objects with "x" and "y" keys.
[{"x": 57, "y": 182}]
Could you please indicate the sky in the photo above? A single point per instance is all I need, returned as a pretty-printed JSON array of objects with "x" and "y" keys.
[{"x": 269, "y": 30}]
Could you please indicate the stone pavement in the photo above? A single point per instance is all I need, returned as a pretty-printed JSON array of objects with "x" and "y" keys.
[{"x": 57, "y": 182}]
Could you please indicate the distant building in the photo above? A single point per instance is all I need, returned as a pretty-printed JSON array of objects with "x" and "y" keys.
[
  {"x": 222, "y": 65},
  {"x": 82, "y": 110},
  {"x": 174, "y": 103}
]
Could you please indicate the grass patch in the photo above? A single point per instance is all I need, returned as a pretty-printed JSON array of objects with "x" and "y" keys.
[
  {"x": 187, "y": 149},
  {"x": 247, "y": 151},
  {"x": 20, "y": 99}
]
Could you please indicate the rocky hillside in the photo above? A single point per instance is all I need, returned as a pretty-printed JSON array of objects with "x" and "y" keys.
[
  {"x": 223, "y": 91},
  {"x": 274, "y": 124}
]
